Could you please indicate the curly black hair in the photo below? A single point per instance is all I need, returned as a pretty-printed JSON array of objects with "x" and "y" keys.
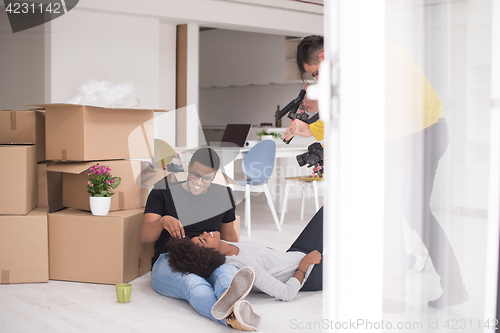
[{"x": 186, "y": 257}]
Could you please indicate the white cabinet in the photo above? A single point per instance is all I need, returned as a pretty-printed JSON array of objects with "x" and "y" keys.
[
  {"x": 236, "y": 58},
  {"x": 292, "y": 73}
]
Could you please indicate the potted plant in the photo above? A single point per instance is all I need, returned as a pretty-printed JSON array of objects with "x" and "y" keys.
[
  {"x": 99, "y": 187},
  {"x": 265, "y": 135}
]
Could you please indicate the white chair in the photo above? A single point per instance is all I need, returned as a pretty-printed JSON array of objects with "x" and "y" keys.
[
  {"x": 258, "y": 165},
  {"x": 303, "y": 183}
]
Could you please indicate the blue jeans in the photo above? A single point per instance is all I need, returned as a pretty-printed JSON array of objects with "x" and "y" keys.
[{"x": 199, "y": 292}]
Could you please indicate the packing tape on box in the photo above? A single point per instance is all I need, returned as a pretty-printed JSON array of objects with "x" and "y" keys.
[
  {"x": 5, "y": 276},
  {"x": 64, "y": 155},
  {"x": 13, "y": 123},
  {"x": 121, "y": 200}
]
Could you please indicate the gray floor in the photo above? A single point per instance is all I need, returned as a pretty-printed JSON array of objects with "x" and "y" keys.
[{"x": 83, "y": 307}]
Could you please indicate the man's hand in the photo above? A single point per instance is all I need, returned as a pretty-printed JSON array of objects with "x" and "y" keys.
[
  {"x": 173, "y": 226},
  {"x": 297, "y": 127}
]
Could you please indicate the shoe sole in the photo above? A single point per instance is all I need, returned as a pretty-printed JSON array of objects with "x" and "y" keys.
[
  {"x": 239, "y": 288},
  {"x": 245, "y": 315}
]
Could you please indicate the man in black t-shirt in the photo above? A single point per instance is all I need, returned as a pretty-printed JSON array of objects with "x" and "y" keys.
[{"x": 187, "y": 209}]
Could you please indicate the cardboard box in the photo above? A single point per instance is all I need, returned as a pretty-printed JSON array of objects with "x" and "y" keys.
[
  {"x": 24, "y": 127},
  {"x": 24, "y": 251},
  {"x": 91, "y": 133},
  {"x": 98, "y": 249},
  {"x": 74, "y": 184},
  {"x": 18, "y": 176},
  {"x": 49, "y": 182}
]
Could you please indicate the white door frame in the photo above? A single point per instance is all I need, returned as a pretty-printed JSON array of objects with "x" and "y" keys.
[
  {"x": 351, "y": 93},
  {"x": 492, "y": 254}
]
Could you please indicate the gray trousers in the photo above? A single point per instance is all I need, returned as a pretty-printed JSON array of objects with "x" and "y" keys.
[{"x": 410, "y": 170}]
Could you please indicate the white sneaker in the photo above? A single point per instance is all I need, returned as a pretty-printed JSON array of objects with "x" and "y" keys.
[
  {"x": 422, "y": 255},
  {"x": 239, "y": 287},
  {"x": 242, "y": 317}
]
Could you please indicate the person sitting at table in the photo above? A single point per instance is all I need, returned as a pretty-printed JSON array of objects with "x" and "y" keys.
[{"x": 278, "y": 274}]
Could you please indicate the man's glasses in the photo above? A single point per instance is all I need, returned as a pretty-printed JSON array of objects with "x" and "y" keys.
[{"x": 195, "y": 176}]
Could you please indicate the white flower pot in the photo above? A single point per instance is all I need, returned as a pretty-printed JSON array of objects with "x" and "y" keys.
[
  {"x": 267, "y": 137},
  {"x": 100, "y": 205}
]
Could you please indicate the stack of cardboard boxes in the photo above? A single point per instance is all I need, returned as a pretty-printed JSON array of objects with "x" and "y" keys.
[
  {"x": 46, "y": 229},
  {"x": 23, "y": 226}
]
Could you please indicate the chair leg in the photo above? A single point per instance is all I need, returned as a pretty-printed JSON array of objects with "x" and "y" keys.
[
  {"x": 248, "y": 221},
  {"x": 271, "y": 205},
  {"x": 302, "y": 203},
  {"x": 315, "y": 189},
  {"x": 285, "y": 201}
]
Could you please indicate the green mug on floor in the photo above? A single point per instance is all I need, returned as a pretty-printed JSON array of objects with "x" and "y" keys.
[{"x": 123, "y": 291}]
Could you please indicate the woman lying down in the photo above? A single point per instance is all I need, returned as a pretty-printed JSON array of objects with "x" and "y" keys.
[{"x": 278, "y": 274}]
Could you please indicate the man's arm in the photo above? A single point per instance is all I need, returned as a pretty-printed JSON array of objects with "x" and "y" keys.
[
  {"x": 153, "y": 225},
  {"x": 227, "y": 232}
]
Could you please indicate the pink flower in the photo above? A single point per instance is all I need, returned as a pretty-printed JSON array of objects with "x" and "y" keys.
[
  {"x": 91, "y": 184},
  {"x": 108, "y": 182}
]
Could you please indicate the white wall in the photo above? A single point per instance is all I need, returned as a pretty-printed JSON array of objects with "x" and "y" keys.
[
  {"x": 167, "y": 66},
  {"x": 21, "y": 65},
  {"x": 193, "y": 128},
  {"x": 117, "y": 48}
]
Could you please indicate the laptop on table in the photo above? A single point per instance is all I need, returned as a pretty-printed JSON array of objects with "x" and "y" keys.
[{"x": 235, "y": 134}]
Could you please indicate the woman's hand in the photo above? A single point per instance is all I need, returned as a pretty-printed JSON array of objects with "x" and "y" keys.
[
  {"x": 313, "y": 257},
  {"x": 173, "y": 226}
]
